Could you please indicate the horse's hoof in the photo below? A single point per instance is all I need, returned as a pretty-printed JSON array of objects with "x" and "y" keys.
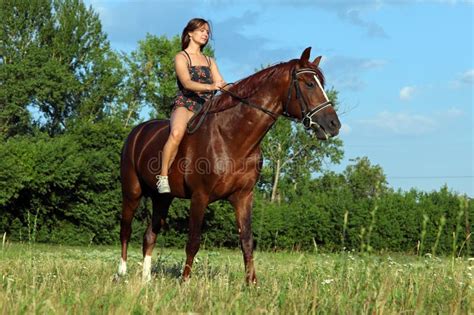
[
  {"x": 119, "y": 277},
  {"x": 252, "y": 281},
  {"x": 116, "y": 278}
]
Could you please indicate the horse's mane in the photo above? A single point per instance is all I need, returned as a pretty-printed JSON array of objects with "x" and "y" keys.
[{"x": 248, "y": 86}]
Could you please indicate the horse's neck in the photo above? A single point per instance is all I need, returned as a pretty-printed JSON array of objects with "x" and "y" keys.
[{"x": 246, "y": 126}]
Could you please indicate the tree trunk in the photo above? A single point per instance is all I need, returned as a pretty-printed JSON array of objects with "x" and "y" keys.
[
  {"x": 276, "y": 176},
  {"x": 131, "y": 109}
]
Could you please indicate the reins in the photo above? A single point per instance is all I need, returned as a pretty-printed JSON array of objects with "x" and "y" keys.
[
  {"x": 244, "y": 101},
  {"x": 307, "y": 117},
  {"x": 200, "y": 116}
]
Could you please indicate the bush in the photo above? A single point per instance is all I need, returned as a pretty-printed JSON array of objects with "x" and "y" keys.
[{"x": 65, "y": 185}]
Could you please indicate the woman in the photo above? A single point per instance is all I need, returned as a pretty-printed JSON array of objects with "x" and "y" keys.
[{"x": 197, "y": 77}]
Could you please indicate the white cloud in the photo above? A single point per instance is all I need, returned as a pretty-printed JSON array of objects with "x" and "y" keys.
[
  {"x": 468, "y": 77},
  {"x": 452, "y": 112},
  {"x": 463, "y": 79},
  {"x": 406, "y": 93},
  {"x": 353, "y": 12},
  {"x": 450, "y": 2},
  {"x": 402, "y": 123},
  {"x": 354, "y": 16},
  {"x": 406, "y": 123},
  {"x": 373, "y": 63},
  {"x": 345, "y": 72},
  {"x": 345, "y": 129}
]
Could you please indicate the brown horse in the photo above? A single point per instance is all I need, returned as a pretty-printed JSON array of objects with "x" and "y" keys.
[{"x": 222, "y": 159}]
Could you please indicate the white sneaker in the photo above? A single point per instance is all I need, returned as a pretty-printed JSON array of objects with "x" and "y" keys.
[{"x": 162, "y": 184}]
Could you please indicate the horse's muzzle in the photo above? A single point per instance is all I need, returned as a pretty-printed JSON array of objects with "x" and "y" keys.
[{"x": 327, "y": 126}]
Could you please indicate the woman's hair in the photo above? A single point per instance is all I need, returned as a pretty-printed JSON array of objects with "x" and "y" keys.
[{"x": 191, "y": 27}]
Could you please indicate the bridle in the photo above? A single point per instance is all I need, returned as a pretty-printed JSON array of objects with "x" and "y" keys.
[{"x": 306, "y": 116}]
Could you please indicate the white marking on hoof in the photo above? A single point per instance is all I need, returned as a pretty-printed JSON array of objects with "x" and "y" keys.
[
  {"x": 122, "y": 271},
  {"x": 146, "y": 275}
]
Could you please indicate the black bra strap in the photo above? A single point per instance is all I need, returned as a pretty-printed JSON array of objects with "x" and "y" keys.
[{"x": 189, "y": 59}]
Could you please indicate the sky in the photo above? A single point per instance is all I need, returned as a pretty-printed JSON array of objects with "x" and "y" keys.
[{"x": 404, "y": 70}]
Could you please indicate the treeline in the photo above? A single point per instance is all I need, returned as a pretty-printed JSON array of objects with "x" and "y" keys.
[
  {"x": 68, "y": 101},
  {"x": 66, "y": 189}
]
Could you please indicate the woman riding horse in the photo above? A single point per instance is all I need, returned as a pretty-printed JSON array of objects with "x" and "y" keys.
[{"x": 196, "y": 81}]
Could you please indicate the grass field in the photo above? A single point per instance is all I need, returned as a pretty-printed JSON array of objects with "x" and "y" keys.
[{"x": 50, "y": 279}]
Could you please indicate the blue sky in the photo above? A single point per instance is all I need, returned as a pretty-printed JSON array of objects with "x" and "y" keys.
[{"x": 404, "y": 69}]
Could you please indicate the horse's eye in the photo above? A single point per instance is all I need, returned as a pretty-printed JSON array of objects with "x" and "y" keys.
[{"x": 310, "y": 84}]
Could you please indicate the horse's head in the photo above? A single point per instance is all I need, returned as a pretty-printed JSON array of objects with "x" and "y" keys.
[{"x": 307, "y": 100}]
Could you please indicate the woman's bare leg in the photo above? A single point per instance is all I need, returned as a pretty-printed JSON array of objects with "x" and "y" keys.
[{"x": 178, "y": 123}]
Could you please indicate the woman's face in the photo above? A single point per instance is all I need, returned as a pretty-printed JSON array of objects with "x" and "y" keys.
[{"x": 200, "y": 35}]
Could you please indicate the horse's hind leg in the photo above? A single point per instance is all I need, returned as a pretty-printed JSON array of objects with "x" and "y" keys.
[
  {"x": 131, "y": 195},
  {"x": 160, "y": 212},
  {"x": 129, "y": 205}
]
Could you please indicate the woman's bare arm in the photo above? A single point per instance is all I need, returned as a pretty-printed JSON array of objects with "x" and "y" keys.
[
  {"x": 216, "y": 75},
  {"x": 181, "y": 67}
]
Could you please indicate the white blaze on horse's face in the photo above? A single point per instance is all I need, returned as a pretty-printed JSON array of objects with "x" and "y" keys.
[
  {"x": 326, "y": 98},
  {"x": 321, "y": 87}
]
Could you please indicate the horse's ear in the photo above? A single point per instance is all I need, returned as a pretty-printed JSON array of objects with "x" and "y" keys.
[
  {"x": 317, "y": 60},
  {"x": 305, "y": 55}
]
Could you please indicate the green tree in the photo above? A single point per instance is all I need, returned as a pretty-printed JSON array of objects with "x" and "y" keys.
[
  {"x": 19, "y": 49},
  {"x": 366, "y": 180},
  {"x": 56, "y": 58}
]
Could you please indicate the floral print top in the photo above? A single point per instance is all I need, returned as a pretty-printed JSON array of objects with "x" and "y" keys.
[{"x": 190, "y": 99}]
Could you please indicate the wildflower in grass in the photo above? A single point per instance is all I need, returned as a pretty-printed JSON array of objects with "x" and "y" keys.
[
  {"x": 327, "y": 281},
  {"x": 391, "y": 262}
]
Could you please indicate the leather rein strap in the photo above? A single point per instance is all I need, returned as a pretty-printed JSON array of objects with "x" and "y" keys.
[{"x": 307, "y": 117}]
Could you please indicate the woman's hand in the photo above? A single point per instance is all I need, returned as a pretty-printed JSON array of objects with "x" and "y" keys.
[{"x": 217, "y": 85}]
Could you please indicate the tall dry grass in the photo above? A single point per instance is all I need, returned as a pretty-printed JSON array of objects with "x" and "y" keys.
[{"x": 75, "y": 280}]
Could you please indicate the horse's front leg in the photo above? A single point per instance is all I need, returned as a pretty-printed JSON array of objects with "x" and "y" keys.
[
  {"x": 242, "y": 202},
  {"x": 199, "y": 203}
]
